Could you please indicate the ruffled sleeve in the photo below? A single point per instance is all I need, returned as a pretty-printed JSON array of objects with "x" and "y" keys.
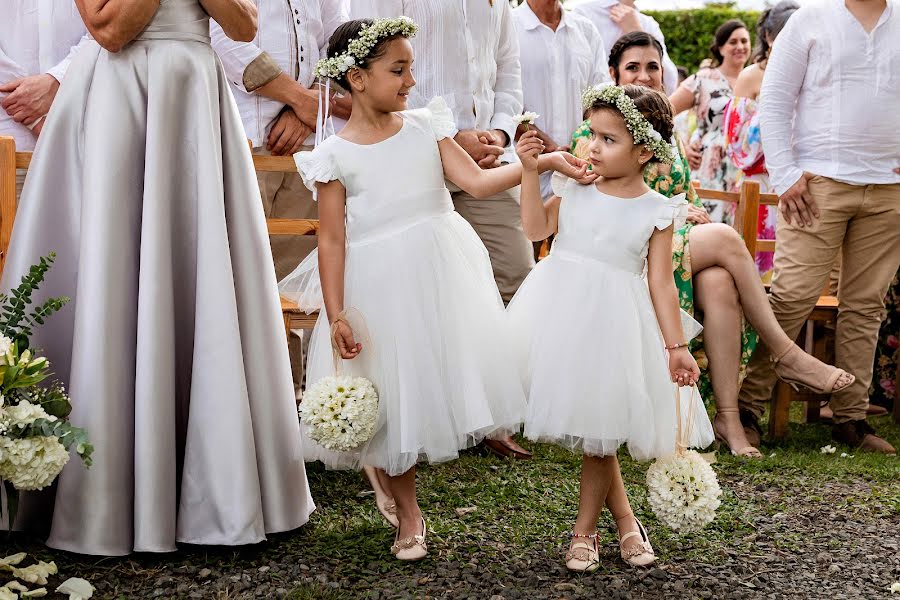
[
  {"x": 674, "y": 211},
  {"x": 317, "y": 166},
  {"x": 558, "y": 183},
  {"x": 441, "y": 117}
]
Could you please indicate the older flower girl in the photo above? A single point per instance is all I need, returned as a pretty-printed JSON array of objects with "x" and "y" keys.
[
  {"x": 601, "y": 348},
  {"x": 392, "y": 249}
]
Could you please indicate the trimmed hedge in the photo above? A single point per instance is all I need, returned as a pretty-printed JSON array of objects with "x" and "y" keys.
[{"x": 690, "y": 32}]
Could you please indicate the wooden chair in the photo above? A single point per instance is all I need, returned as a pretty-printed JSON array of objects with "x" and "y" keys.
[
  {"x": 10, "y": 160},
  {"x": 748, "y": 200}
]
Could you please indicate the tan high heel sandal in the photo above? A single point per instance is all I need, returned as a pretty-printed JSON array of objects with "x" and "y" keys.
[
  {"x": 583, "y": 557},
  {"x": 830, "y": 374},
  {"x": 642, "y": 555},
  {"x": 748, "y": 451},
  {"x": 411, "y": 548}
]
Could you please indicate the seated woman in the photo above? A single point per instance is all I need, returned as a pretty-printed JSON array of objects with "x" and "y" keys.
[{"x": 717, "y": 279}]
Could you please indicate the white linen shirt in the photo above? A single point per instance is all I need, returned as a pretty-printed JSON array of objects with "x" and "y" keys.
[
  {"x": 597, "y": 12},
  {"x": 36, "y": 36},
  {"x": 295, "y": 35},
  {"x": 466, "y": 51},
  {"x": 557, "y": 66},
  {"x": 830, "y": 99}
]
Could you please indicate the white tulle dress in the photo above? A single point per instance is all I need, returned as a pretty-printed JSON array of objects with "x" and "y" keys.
[
  {"x": 591, "y": 351},
  {"x": 438, "y": 347}
]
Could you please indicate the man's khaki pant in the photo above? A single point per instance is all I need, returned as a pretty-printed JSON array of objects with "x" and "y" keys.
[
  {"x": 860, "y": 224},
  {"x": 285, "y": 197},
  {"x": 498, "y": 222}
]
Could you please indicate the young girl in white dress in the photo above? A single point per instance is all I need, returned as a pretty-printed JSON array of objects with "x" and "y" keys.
[
  {"x": 393, "y": 251},
  {"x": 601, "y": 333}
]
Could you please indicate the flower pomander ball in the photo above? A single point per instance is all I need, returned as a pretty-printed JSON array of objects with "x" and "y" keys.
[
  {"x": 340, "y": 412},
  {"x": 683, "y": 491}
]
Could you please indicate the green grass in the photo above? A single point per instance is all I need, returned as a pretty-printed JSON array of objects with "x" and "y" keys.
[{"x": 526, "y": 507}]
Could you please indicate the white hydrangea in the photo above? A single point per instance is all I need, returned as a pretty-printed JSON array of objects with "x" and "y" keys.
[
  {"x": 340, "y": 412},
  {"x": 31, "y": 463},
  {"x": 683, "y": 491},
  {"x": 21, "y": 415}
]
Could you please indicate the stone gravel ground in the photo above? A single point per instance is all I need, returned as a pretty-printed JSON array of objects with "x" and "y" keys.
[{"x": 798, "y": 524}]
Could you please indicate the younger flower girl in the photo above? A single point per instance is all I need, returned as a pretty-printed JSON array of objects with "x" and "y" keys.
[
  {"x": 602, "y": 349},
  {"x": 392, "y": 249}
]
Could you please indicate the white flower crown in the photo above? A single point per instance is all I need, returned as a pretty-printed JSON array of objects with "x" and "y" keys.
[
  {"x": 641, "y": 129},
  {"x": 361, "y": 47}
]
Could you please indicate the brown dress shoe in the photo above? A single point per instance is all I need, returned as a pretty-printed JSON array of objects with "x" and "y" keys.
[
  {"x": 751, "y": 427},
  {"x": 859, "y": 434}
]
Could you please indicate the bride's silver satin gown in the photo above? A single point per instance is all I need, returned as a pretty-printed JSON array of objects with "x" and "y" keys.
[{"x": 172, "y": 348}]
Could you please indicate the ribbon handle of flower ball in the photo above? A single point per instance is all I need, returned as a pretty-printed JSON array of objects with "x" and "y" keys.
[
  {"x": 324, "y": 125},
  {"x": 683, "y": 430}
]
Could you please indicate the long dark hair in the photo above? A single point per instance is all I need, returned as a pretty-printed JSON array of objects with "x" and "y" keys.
[
  {"x": 770, "y": 24},
  {"x": 721, "y": 37},
  {"x": 631, "y": 40}
]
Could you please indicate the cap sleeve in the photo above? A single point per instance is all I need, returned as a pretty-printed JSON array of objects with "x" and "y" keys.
[
  {"x": 441, "y": 118},
  {"x": 673, "y": 211},
  {"x": 316, "y": 166},
  {"x": 558, "y": 183}
]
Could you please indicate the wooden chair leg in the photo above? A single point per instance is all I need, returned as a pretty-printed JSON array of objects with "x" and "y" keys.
[{"x": 780, "y": 412}]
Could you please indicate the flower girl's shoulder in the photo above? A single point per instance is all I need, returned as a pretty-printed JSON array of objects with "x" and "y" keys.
[
  {"x": 436, "y": 119},
  {"x": 319, "y": 165}
]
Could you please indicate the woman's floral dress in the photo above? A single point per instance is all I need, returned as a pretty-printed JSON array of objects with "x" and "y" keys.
[
  {"x": 712, "y": 93},
  {"x": 884, "y": 391},
  {"x": 670, "y": 181},
  {"x": 743, "y": 145}
]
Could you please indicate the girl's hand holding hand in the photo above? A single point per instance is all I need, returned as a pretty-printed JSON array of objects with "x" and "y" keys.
[
  {"x": 342, "y": 339},
  {"x": 682, "y": 367},
  {"x": 529, "y": 147},
  {"x": 573, "y": 167}
]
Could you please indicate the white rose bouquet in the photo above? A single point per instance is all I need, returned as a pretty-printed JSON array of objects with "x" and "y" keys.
[
  {"x": 35, "y": 437},
  {"x": 682, "y": 488}
]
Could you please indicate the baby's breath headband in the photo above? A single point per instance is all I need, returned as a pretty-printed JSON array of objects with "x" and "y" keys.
[
  {"x": 641, "y": 129},
  {"x": 360, "y": 47}
]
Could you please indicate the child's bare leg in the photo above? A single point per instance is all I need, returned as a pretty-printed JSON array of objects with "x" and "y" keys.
[{"x": 403, "y": 490}]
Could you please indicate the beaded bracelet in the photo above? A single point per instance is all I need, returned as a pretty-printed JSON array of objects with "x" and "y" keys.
[{"x": 677, "y": 346}]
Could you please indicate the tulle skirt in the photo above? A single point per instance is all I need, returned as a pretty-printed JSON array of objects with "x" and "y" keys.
[
  {"x": 594, "y": 364},
  {"x": 435, "y": 338}
]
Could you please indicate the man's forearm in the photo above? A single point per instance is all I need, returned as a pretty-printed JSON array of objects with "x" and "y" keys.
[{"x": 303, "y": 101}]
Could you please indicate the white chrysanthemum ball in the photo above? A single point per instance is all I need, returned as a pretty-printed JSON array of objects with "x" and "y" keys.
[
  {"x": 683, "y": 491},
  {"x": 340, "y": 412},
  {"x": 31, "y": 463}
]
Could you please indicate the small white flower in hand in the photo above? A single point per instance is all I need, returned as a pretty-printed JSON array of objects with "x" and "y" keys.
[
  {"x": 895, "y": 588},
  {"x": 526, "y": 118}
]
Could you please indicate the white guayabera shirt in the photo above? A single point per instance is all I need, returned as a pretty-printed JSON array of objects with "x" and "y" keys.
[
  {"x": 557, "y": 66},
  {"x": 36, "y": 36},
  {"x": 467, "y": 52},
  {"x": 294, "y": 33},
  {"x": 597, "y": 12}
]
